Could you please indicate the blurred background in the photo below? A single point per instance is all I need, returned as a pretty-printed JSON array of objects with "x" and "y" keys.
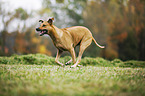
[{"x": 117, "y": 24}]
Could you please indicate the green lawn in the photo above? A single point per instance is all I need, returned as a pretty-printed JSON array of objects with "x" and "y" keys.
[{"x": 39, "y": 75}]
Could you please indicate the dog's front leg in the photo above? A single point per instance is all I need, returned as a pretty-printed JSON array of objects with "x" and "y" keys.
[
  {"x": 72, "y": 52},
  {"x": 59, "y": 52}
]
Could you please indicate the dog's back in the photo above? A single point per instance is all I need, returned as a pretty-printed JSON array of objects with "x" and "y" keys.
[{"x": 77, "y": 33}]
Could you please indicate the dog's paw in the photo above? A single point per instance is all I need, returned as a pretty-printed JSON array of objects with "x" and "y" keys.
[
  {"x": 80, "y": 65},
  {"x": 62, "y": 65},
  {"x": 67, "y": 63},
  {"x": 73, "y": 66}
]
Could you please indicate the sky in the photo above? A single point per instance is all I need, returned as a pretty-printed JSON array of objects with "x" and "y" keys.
[{"x": 28, "y": 5}]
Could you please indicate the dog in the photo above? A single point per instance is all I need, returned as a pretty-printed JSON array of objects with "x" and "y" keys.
[{"x": 66, "y": 39}]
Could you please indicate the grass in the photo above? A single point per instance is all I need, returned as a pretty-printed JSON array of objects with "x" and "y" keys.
[{"x": 39, "y": 75}]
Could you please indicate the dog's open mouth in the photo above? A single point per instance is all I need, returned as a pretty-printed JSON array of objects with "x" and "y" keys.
[{"x": 42, "y": 32}]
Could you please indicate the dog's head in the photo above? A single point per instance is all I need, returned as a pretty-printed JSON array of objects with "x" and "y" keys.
[{"x": 45, "y": 27}]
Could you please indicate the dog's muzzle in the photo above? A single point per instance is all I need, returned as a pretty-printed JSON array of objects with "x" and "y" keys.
[{"x": 42, "y": 32}]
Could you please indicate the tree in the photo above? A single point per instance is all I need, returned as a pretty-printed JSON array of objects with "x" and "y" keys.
[
  {"x": 7, "y": 18},
  {"x": 66, "y": 12}
]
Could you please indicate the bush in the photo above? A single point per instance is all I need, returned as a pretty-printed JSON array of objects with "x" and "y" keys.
[{"x": 40, "y": 59}]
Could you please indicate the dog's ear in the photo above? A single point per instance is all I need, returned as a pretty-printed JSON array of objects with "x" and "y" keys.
[
  {"x": 41, "y": 21},
  {"x": 50, "y": 21}
]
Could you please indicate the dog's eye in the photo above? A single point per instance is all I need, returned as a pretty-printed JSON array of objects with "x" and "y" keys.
[{"x": 44, "y": 25}]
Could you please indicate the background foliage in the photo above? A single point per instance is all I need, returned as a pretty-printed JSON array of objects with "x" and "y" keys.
[{"x": 117, "y": 24}]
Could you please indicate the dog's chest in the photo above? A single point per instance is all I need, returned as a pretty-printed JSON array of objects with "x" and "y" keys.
[{"x": 61, "y": 46}]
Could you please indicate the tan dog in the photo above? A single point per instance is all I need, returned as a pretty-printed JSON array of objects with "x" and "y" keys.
[{"x": 67, "y": 39}]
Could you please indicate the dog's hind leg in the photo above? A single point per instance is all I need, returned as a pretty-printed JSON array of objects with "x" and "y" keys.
[
  {"x": 84, "y": 44},
  {"x": 59, "y": 52}
]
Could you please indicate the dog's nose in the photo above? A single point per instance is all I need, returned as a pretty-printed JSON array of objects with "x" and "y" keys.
[{"x": 37, "y": 29}]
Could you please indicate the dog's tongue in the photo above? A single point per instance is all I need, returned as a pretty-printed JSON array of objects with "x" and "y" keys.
[{"x": 41, "y": 33}]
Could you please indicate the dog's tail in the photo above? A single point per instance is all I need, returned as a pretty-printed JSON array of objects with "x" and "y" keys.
[{"x": 98, "y": 44}]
